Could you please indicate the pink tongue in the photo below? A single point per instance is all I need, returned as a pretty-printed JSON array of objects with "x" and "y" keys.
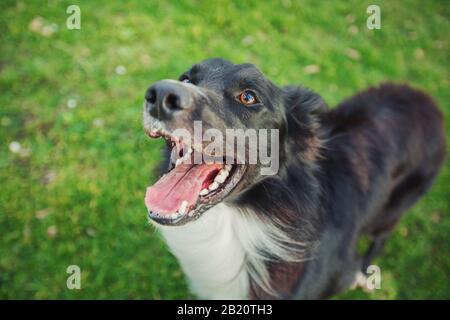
[{"x": 183, "y": 183}]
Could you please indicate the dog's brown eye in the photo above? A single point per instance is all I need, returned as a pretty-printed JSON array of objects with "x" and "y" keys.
[{"x": 247, "y": 97}]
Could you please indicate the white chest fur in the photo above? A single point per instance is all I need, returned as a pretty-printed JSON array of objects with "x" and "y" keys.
[
  {"x": 211, "y": 253},
  {"x": 225, "y": 249}
]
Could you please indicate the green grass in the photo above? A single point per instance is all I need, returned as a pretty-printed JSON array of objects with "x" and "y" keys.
[{"x": 74, "y": 193}]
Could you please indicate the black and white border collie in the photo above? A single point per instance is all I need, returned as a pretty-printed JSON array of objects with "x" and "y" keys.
[{"x": 344, "y": 173}]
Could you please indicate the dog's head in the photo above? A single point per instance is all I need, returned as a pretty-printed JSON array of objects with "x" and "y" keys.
[{"x": 227, "y": 127}]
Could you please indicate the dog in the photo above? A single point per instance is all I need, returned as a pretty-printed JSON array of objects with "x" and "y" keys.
[{"x": 344, "y": 174}]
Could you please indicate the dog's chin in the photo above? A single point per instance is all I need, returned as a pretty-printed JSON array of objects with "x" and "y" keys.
[{"x": 187, "y": 190}]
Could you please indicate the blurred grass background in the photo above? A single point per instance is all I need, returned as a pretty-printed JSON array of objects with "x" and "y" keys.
[{"x": 74, "y": 162}]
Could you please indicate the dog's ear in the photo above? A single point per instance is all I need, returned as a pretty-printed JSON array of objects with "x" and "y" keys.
[
  {"x": 300, "y": 99},
  {"x": 303, "y": 109}
]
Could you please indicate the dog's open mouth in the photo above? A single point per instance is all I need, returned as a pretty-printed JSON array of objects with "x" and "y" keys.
[{"x": 188, "y": 189}]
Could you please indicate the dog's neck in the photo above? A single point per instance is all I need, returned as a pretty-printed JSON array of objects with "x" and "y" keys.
[
  {"x": 224, "y": 253},
  {"x": 212, "y": 254}
]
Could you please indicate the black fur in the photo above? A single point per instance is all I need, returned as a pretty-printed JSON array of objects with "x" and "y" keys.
[{"x": 345, "y": 172}]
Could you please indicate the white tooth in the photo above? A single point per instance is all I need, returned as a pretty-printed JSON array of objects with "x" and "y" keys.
[
  {"x": 191, "y": 213},
  {"x": 178, "y": 162},
  {"x": 224, "y": 173},
  {"x": 173, "y": 156},
  {"x": 228, "y": 167},
  {"x": 204, "y": 192},
  {"x": 220, "y": 178},
  {"x": 183, "y": 207},
  {"x": 189, "y": 150},
  {"x": 213, "y": 186},
  {"x": 174, "y": 216}
]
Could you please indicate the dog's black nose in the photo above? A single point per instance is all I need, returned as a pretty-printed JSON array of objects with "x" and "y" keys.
[{"x": 167, "y": 97}]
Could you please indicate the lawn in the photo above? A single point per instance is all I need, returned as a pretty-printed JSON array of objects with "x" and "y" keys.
[{"x": 74, "y": 162}]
